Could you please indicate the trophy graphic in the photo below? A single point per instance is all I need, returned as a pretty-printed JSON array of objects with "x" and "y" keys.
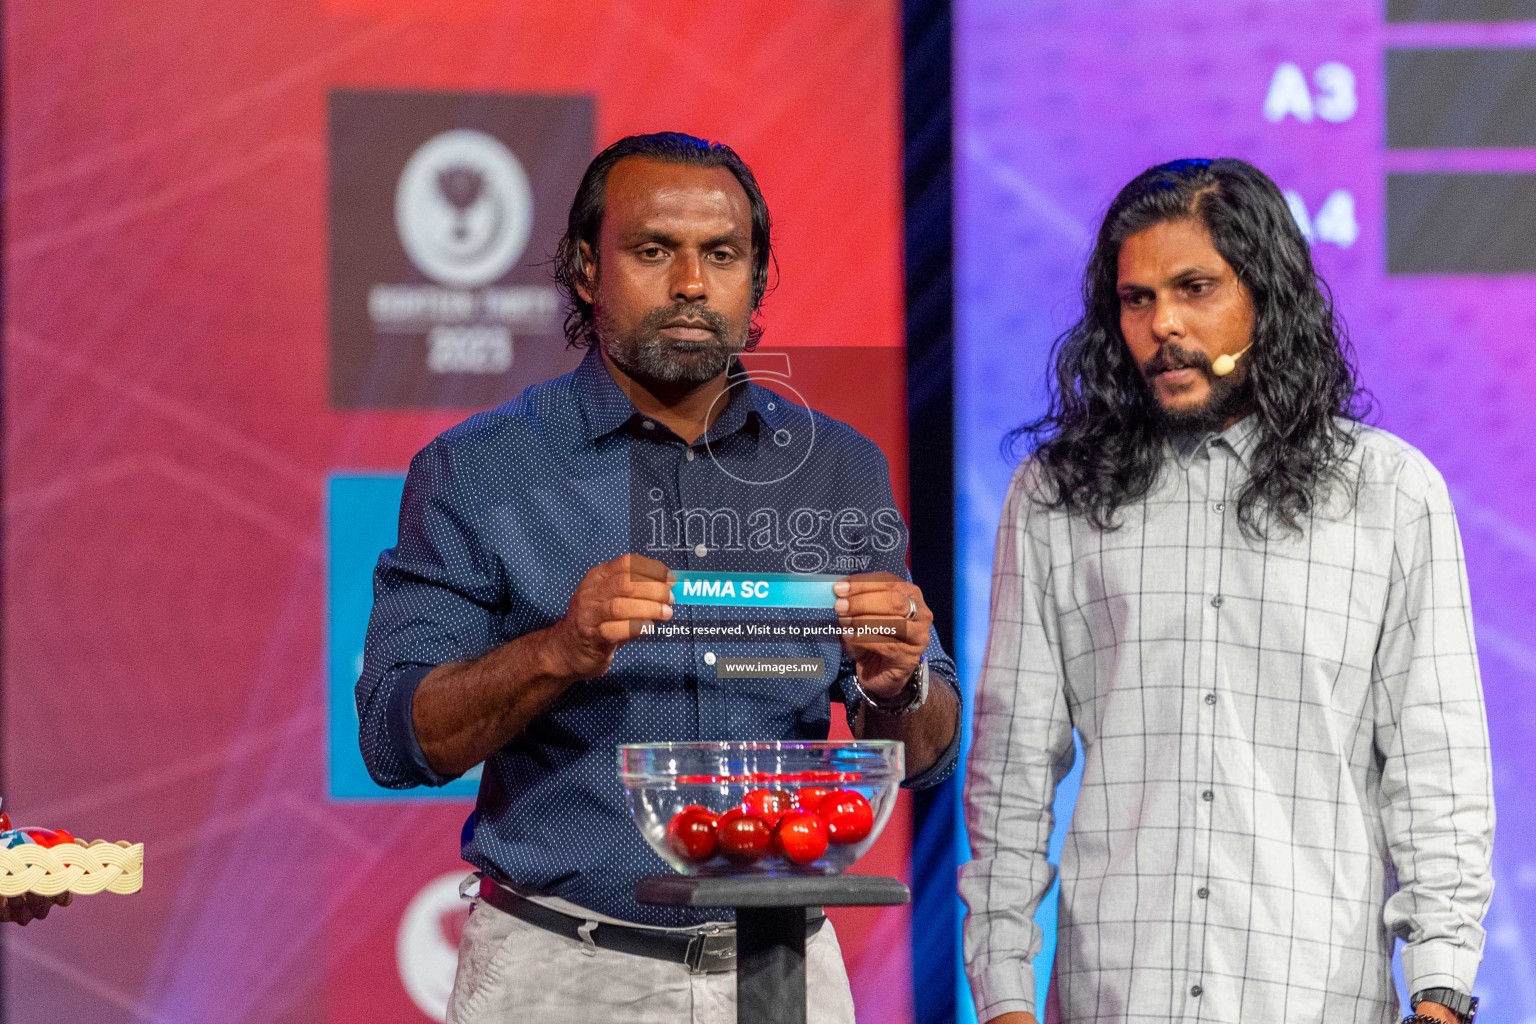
[
  {"x": 462, "y": 186},
  {"x": 464, "y": 208}
]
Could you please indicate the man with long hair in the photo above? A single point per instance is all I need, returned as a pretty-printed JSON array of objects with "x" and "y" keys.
[
  {"x": 1252, "y": 609},
  {"x": 506, "y": 626}
]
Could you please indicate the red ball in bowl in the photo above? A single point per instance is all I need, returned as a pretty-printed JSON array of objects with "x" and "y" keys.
[
  {"x": 743, "y": 838},
  {"x": 768, "y": 804},
  {"x": 692, "y": 834},
  {"x": 809, "y": 798},
  {"x": 800, "y": 837},
  {"x": 848, "y": 817}
]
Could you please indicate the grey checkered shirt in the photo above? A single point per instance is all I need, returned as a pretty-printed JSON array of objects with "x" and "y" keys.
[{"x": 1286, "y": 754}]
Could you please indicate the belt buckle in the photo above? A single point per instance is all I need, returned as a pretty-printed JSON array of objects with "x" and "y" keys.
[{"x": 712, "y": 952}]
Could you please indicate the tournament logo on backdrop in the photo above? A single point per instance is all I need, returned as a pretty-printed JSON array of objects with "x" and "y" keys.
[
  {"x": 444, "y": 212},
  {"x": 463, "y": 208}
]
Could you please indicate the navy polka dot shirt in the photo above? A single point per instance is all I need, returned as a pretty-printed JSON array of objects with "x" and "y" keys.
[{"x": 502, "y": 517}]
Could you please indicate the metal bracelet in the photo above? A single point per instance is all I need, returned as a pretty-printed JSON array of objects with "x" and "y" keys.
[{"x": 912, "y": 697}]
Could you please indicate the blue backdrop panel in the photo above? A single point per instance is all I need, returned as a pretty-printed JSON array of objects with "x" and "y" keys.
[{"x": 361, "y": 518}]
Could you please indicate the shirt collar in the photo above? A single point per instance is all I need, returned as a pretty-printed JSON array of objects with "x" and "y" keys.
[
  {"x": 1243, "y": 437},
  {"x": 605, "y": 407},
  {"x": 751, "y": 404},
  {"x": 1240, "y": 438}
]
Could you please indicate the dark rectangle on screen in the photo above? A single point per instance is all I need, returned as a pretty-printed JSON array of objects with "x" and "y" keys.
[
  {"x": 1461, "y": 223},
  {"x": 1461, "y": 10},
  {"x": 1461, "y": 99}
]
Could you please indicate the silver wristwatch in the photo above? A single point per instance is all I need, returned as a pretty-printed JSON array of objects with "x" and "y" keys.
[{"x": 912, "y": 696}]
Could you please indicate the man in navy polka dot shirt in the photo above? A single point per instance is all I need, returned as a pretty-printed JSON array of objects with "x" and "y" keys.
[{"x": 537, "y": 538}]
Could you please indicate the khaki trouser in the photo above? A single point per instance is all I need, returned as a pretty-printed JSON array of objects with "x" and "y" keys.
[{"x": 512, "y": 972}]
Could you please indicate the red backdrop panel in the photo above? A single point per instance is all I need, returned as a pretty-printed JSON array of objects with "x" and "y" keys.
[{"x": 167, "y": 439}]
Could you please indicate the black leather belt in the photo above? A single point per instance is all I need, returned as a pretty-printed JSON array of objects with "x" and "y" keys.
[{"x": 704, "y": 952}]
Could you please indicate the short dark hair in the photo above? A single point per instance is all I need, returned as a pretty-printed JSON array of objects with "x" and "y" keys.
[
  {"x": 1099, "y": 445},
  {"x": 586, "y": 220}
]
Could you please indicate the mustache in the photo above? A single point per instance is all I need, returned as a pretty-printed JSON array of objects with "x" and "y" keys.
[
  {"x": 1176, "y": 357},
  {"x": 696, "y": 316}
]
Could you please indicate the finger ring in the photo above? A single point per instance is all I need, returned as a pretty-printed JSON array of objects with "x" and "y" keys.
[{"x": 911, "y": 608}]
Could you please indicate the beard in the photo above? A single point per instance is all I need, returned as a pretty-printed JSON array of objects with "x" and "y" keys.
[
  {"x": 650, "y": 357},
  {"x": 1227, "y": 398}
]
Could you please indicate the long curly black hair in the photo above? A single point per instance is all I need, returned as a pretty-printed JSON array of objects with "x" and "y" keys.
[
  {"x": 1102, "y": 442},
  {"x": 586, "y": 221}
]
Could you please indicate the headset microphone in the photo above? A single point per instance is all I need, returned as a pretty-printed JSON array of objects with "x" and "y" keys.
[{"x": 1225, "y": 364}]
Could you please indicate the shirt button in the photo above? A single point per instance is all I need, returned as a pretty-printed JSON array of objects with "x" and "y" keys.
[
  {"x": 648, "y": 425},
  {"x": 1216, "y": 601},
  {"x": 1208, "y": 796},
  {"x": 709, "y": 657},
  {"x": 700, "y": 550},
  {"x": 1210, "y": 698},
  {"x": 1203, "y": 892},
  {"x": 1196, "y": 991},
  {"x": 688, "y": 454}
]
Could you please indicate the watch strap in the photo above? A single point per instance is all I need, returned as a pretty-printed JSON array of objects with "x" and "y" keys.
[{"x": 1458, "y": 1002}]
